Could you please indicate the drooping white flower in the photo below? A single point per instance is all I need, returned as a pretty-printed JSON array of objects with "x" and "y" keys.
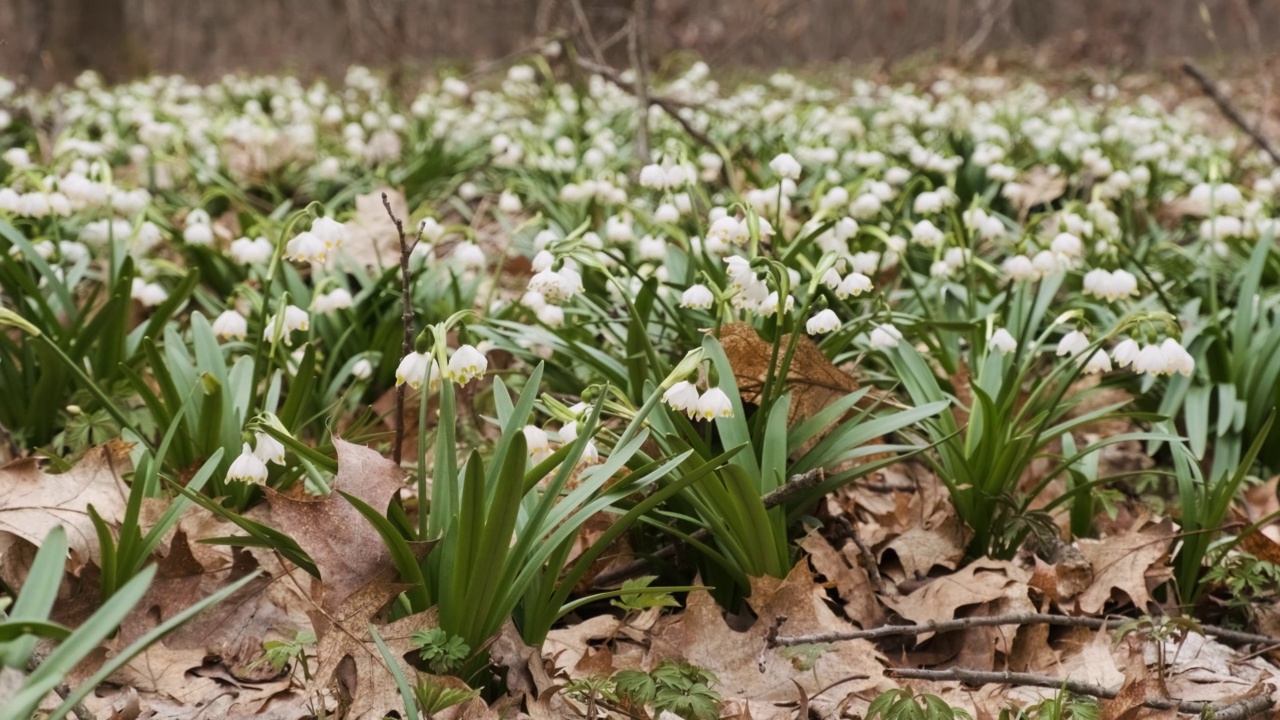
[
  {"x": 698, "y": 297},
  {"x": 714, "y": 403},
  {"x": 149, "y": 294},
  {"x": 551, "y": 315},
  {"x": 469, "y": 255},
  {"x": 539, "y": 445},
  {"x": 412, "y": 370},
  {"x": 336, "y": 299},
  {"x": 1019, "y": 267},
  {"x": 926, "y": 233},
  {"x": 1151, "y": 360},
  {"x": 682, "y": 397},
  {"x": 853, "y": 284},
  {"x": 306, "y": 247},
  {"x": 250, "y": 252},
  {"x": 331, "y": 232},
  {"x": 1097, "y": 363},
  {"x": 248, "y": 467},
  {"x": 466, "y": 364},
  {"x": 362, "y": 370},
  {"x": 786, "y": 166},
  {"x": 822, "y": 322},
  {"x": 230, "y": 324},
  {"x": 885, "y": 335},
  {"x": 1072, "y": 343},
  {"x": 1002, "y": 341},
  {"x": 268, "y": 449},
  {"x": 653, "y": 176},
  {"x": 1177, "y": 359},
  {"x": 568, "y": 432},
  {"x": 1125, "y": 352}
]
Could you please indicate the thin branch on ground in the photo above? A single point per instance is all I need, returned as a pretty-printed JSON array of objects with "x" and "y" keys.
[
  {"x": 406, "y": 318},
  {"x": 795, "y": 487},
  {"x": 1232, "y": 636},
  {"x": 846, "y": 529},
  {"x": 1228, "y": 109},
  {"x": 1239, "y": 710}
]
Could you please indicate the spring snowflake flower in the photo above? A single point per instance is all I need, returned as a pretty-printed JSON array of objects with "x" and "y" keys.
[
  {"x": 509, "y": 202},
  {"x": 306, "y": 247},
  {"x": 248, "y": 467},
  {"x": 786, "y": 166},
  {"x": 538, "y": 443},
  {"x": 1110, "y": 286},
  {"x": 244, "y": 251},
  {"x": 1067, "y": 245},
  {"x": 653, "y": 176},
  {"x": 542, "y": 260},
  {"x": 568, "y": 432},
  {"x": 1125, "y": 352},
  {"x": 926, "y": 233},
  {"x": 940, "y": 269},
  {"x": 865, "y": 207},
  {"x": 1002, "y": 341},
  {"x": 551, "y": 315},
  {"x": 1097, "y": 363},
  {"x": 331, "y": 232},
  {"x": 824, "y": 321},
  {"x": 336, "y": 299},
  {"x": 666, "y": 213},
  {"x": 728, "y": 230},
  {"x": 413, "y": 370},
  {"x": 1047, "y": 262},
  {"x": 590, "y": 454},
  {"x": 682, "y": 397},
  {"x": 149, "y": 294},
  {"x": 1072, "y": 343},
  {"x": 1177, "y": 359},
  {"x": 198, "y": 230},
  {"x": 1151, "y": 360},
  {"x": 697, "y": 297},
  {"x": 831, "y": 278},
  {"x": 469, "y": 255},
  {"x": 885, "y": 336},
  {"x": 466, "y": 364},
  {"x": 268, "y": 449},
  {"x": 714, "y": 403},
  {"x": 651, "y": 248},
  {"x": 854, "y": 284},
  {"x": 362, "y": 370},
  {"x": 770, "y": 304},
  {"x": 230, "y": 324}
]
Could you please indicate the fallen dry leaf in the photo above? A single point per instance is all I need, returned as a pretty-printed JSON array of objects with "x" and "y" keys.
[
  {"x": 813, "y": 380},
  {"x": 1131, "y": 563},
  {"x": 346, "y": 549},
  {"x": 748, "y": 670},
  {"x": 852, "y": 584},
  {"x": 33, "y": 502}
]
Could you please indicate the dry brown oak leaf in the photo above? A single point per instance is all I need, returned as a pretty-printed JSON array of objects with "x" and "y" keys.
[
  {"x": 814, "y": 381},
  {"x": 33, "y": 502},
  {"x": 346, "y": 548},
  {"x": 1129, "y": 564}
]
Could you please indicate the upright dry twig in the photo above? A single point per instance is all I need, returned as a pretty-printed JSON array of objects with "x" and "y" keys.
[
  {"x": 1229, "y": 110},
  {"x": 406, "y": 318},
  {"x": 638, "y": 48}
]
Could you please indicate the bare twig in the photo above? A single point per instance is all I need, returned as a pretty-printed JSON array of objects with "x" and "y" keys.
[
  {"x": 795, "y": 487},
  {"x": 406, "y": 318},
  {"x": 1225, "y": 711},
  {"x": 1229, "y": 109},
  {"x": 585, "y": 25},
  {"x": 1231, "y": 636},
  {"x": 637, "y": 48},
  {"x": 848, "y": 530},
  {"x": 79, "y": 710},
  {"x": 669, "y": 106}
]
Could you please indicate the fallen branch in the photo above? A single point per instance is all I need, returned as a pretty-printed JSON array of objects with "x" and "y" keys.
[
  {"x": 1232, "y": 636},
  {"x": 1229, "y": 109},
  {"x": 1238, "y": 710},
  {"x": 795, "y": 487}
]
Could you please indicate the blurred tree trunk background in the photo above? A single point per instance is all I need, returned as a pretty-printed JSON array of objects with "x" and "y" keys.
[{"x": 47, "y": 41}]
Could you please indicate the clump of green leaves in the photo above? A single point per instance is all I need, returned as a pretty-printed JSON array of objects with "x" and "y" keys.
[
  {"x": 443, "y": 652},
  {"x": 279, "y": 653},
  {"x": 636, "y": 595},
  {"x": 1244, "y": 578},
  {"x": 901, "y": 704},
  {"x": 1062, "y": 706},
  {"x": 678, "y": 688},
  {"x": 434, "y": 695}
]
